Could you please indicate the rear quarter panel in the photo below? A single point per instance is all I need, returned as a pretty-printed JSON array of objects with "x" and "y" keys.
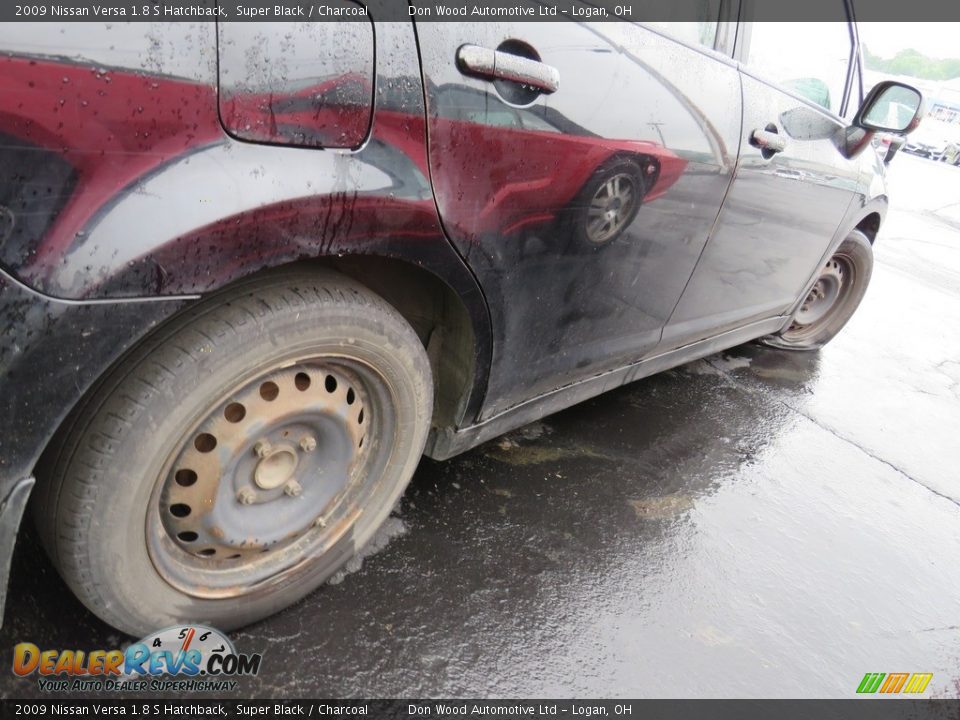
[
  {"x": 158, "y": 199},
  {"x": 153, "y": 200}
]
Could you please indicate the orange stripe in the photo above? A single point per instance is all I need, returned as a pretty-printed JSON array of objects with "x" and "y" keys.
[
  {"x": 894, "y": 682},
  {"x": 187, "y": 639}
]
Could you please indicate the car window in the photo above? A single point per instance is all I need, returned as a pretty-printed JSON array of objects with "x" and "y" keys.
[
  {"x": 701, "y": 32},
  {"x": 808, "y": 59},
  {"x": 497, "y": 118},
  {"x": 476, "y": 107},
  {"x": 693, "y": 33},
  {"x": 532, "y": 121}
]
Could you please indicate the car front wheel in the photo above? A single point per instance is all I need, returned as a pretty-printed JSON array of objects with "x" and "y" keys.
[
  {"x": 606, "y": 205},
  {"x": 834, "y": 297},
  {"x": 240, "y": 457}
]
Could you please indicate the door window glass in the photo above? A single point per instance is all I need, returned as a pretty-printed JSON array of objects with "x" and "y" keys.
[
  {"x": 808, "y": 59},
  {"x": 703, "y": 32}
]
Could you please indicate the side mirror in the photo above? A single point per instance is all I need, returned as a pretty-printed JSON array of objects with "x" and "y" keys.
[{"x": 890, "y": 107}]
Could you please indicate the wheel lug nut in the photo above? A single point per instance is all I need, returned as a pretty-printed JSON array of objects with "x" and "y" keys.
[
  {"x": 262, "y": 448},
  {"x": 292, "y": 488},
  {"x": 308, "y": 443},
  {"x": 246, "y": 496}
]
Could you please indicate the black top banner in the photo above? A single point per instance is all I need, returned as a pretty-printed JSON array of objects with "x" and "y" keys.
[{"x": 475, "y": 10}]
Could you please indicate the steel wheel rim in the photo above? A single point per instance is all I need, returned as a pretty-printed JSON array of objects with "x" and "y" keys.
[
  {"x": 824, "y": 299},
  {"x": 611, "y": 207},
  {"x": 282, "y": 481}
]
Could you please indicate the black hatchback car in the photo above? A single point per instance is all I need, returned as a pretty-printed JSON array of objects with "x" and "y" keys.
[{"x": 250, "y": 273}]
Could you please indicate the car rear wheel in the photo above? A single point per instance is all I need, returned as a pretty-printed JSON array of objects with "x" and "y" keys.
[
  {"x": 239, "y": 458},
  {"x": 834, "y": 297}
]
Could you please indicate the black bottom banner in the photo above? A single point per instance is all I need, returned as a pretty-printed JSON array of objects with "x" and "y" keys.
[{"x": 874, "y": 709}]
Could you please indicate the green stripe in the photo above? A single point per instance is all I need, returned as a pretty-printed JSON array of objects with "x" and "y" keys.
[
  {"x": 871, "y": 682},
  {"x": 878, "y": 682}
]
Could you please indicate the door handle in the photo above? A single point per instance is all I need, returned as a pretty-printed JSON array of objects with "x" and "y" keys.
[
  {"x": 769, "y": 141},
  {"x": 498, "y": 65}
]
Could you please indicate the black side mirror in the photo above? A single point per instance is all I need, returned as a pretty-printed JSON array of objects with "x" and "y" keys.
[{"x": 890, "y": 107}]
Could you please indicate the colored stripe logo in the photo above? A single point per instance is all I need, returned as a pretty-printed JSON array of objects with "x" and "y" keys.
[{"x": 892, "y": 683}]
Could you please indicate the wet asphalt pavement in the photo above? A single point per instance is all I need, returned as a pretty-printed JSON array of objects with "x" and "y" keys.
[{"x": 755, "y": 524}]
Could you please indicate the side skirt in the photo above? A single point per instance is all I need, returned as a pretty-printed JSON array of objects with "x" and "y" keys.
[{"x": 445, "y": 443}]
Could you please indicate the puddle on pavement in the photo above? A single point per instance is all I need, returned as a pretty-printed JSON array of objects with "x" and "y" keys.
[
  {"x": 520, "y": 447},
  {"x": 513, "y": 453},
  {"x": 659, "y": 508}
]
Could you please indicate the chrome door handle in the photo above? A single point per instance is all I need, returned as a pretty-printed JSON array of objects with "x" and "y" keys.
[
  {"x": 498, "y": 65},
  {"x": 768, "y": 141}
]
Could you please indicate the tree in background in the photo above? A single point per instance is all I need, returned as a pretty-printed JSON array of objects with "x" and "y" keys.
[{"x": 913, "y": 63}]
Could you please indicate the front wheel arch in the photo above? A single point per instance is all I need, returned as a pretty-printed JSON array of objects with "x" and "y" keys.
[
  {"x": 829, "y": 304},
  {"x": 870, "y": 226}
]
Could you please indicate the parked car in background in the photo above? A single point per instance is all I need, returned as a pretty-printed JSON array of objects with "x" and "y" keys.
[
  {"x": 951, "y": 154},
  {"x": 925, "y": 147},
  {"x": 245, "y": 283},
  {"x": 935, "y": 140}
]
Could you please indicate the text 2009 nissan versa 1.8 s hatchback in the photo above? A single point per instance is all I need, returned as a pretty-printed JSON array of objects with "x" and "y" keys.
[{"x": 251, "y": 272}]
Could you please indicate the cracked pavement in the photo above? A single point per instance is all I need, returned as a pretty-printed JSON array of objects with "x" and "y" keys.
[{"x": 758, "y": 524}]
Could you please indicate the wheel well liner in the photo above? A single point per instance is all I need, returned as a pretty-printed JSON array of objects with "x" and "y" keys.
[
  {"x": 870, "y": 226},
  {"x": 438, "y": 316}
]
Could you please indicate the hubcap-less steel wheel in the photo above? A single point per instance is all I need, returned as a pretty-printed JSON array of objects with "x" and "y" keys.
[
  {"x": 274, "y": 473},
  {"x": 611, "y": 207},
  {"x": 241, "y": 455},
  {"x": 825, "y": 297}
]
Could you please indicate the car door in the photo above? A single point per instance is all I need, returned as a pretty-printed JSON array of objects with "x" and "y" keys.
[
  {"x": 793, "y": 182},
  {"x": 583, "y": 210}
]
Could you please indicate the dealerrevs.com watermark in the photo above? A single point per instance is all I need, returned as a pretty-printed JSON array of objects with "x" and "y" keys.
[{"x": 177, "y": 659}]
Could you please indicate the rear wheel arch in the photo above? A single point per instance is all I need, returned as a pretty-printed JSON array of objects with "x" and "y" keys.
[
  {"x": 300, "y": 321},
  {"x": 450, "y": 332},
  {"x": 442, "y": 321}
]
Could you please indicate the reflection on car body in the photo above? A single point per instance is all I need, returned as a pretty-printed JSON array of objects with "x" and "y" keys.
[
  {"x": 262, "y": 281},
  {"x": 565, "y": 165}
]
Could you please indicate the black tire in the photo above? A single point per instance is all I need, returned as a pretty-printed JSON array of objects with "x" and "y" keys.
[
  {"x": 97, "y": 508},
  {"x": 853, "y": 263},
  {"x": 576, "y": 221}
]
